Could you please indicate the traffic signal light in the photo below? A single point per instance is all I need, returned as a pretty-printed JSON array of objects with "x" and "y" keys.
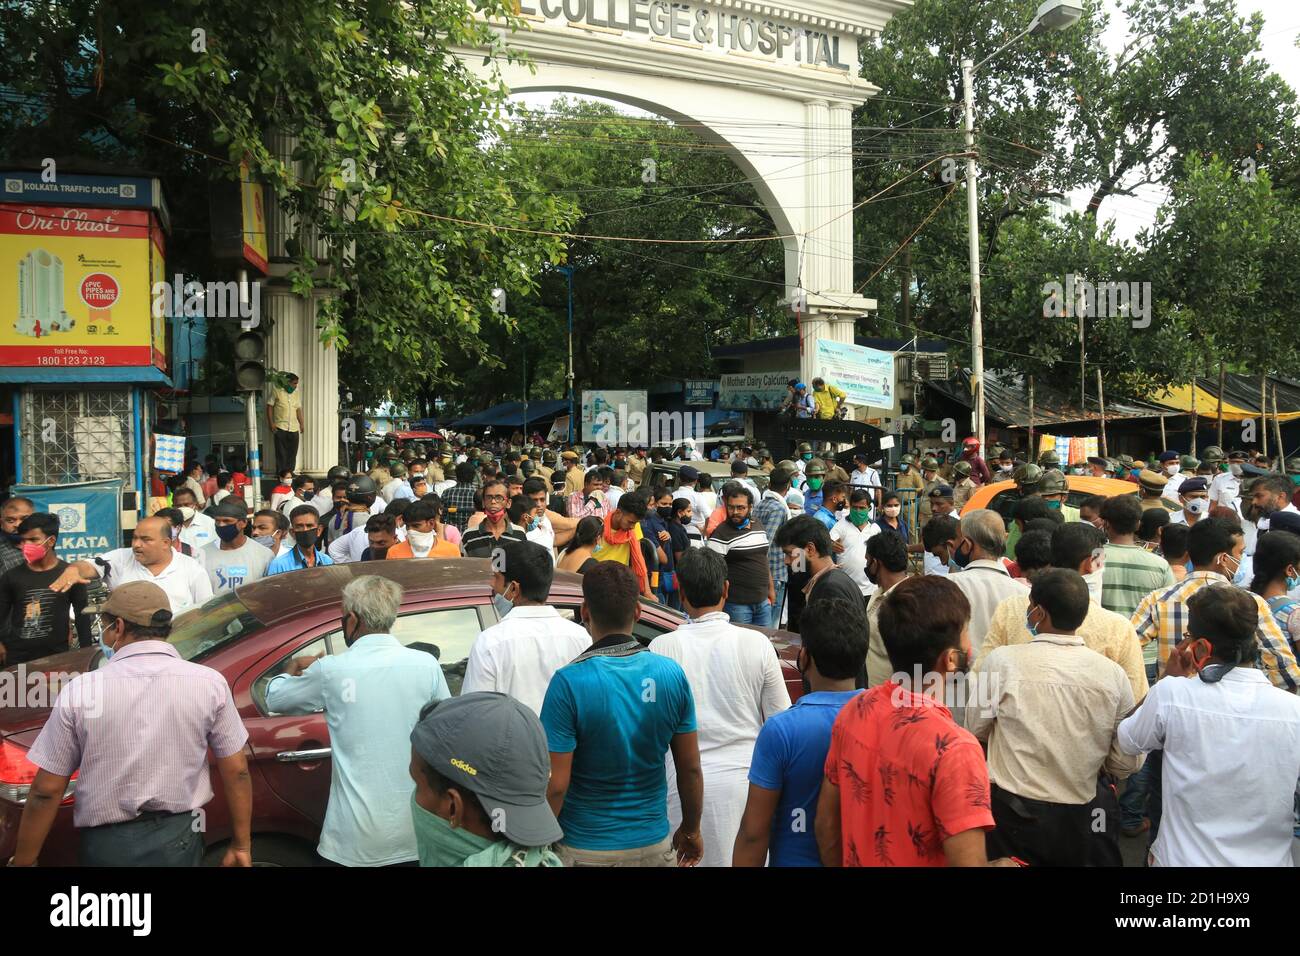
[{"x": 250, "y": 361}]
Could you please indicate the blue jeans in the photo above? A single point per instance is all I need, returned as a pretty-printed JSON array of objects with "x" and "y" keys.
[
  {"x": 776, "y": 608},
  {"x": 760, "y": 613}
]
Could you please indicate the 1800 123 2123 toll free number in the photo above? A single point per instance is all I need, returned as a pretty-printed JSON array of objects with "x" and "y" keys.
[{"x": 66, "y": 360}]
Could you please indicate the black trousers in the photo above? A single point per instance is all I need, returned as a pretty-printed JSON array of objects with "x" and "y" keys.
[
  {"x": 151, "y": 839},
  {"x": 286, "y": 450},
  {"x": 1057, "y": 834}
]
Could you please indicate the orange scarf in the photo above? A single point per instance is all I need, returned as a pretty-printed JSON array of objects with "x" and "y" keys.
[{"x": 636, "y": 560}]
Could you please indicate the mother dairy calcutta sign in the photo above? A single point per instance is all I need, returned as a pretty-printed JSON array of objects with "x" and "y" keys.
[{"x": 698, "y": 24}]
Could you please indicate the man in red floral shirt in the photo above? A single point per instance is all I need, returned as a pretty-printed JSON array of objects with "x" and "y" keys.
[{"x": 905, "y": 785}]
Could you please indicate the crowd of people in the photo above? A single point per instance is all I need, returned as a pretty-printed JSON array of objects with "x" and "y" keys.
[{"x": 1021, "y": 686}]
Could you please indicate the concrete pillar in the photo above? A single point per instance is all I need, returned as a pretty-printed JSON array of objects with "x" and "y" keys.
[
  {"x": 320, "y": 399},
  {"x": 294, "y": 346}
]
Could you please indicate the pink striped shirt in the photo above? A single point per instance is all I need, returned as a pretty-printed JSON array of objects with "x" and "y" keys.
[{"x": 139, "y": 729}]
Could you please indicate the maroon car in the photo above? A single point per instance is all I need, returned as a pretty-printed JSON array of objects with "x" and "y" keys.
[{"x": 250, "y": 636}]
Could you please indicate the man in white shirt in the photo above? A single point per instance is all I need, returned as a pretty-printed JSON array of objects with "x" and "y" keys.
[
  {"x": 849, "y": 538},
  {"x": 939, "y": 539},
  {"x": 864, "y": 476},
  {"x": 304, "y": 491},
  {"x": 1270, "y": 495},
  {"x": 519, "y": 654},
  {"x": 740, "y": 473},
  {"x": 983, "y": 578},
  {"x": 151, "y": 557},
  {"x": 1171, "y": 468},
  {"x": 197, "y": 530},
  {"x": 1231, "y": 742},
  {"x": 736, "y": 680},
  {"x": 372, "y": 696},
  {"x": 688, "y": 475}
]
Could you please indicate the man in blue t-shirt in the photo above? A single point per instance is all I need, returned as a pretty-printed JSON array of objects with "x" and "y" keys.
[
  {"x": 611, "y": 717},
  {"x": 785, "y": 775}
]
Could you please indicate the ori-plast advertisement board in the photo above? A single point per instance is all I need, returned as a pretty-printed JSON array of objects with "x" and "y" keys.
[{"x": 76, "y": 287}]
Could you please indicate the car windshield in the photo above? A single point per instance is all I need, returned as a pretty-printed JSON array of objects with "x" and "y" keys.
[{"x": 222, "y": 620}]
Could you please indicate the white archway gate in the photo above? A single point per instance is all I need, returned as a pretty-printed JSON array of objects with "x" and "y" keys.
[{"x": 775, "y": 82}]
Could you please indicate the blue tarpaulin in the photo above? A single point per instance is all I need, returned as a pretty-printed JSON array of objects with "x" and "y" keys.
[{"x": 511, "y": 414}]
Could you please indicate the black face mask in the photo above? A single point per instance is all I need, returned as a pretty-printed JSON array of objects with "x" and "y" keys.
[
  {"x": 378, "y": 554},
  {"x": 665, "y": 513},
  {"x": 871, "y": 577},
  {"x": 306, "y": 539}
]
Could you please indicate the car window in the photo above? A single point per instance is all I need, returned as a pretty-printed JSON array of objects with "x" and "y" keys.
[
  {"x": 198, "y": 632},
  {"x": 446, "y": 633},
  {"x": 313, "y": 649},
  {"x": 1004, "y": 503}
]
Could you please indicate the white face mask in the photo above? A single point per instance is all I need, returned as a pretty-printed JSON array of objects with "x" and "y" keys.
[
  {"x": 1173, "y": 469},
  {"x": 1093, "y": 580},
  {"x": 420, "y": 541},
  {"x": 187, "y": 514},
  {"x": 1197, "y": 506}
]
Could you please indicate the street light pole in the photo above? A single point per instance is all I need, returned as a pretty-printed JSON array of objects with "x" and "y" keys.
[
  {"x": 568, "y": 272},
  {"x": 1051, "y": 15},
  {"x": 973, "y": 236}
]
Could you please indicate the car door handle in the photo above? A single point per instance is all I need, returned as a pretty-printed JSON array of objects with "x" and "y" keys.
[{"x": 294, "y": 756}]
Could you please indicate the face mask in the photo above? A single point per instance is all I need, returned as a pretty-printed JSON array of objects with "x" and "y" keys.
[
  {"x": 267, "y": 541},
  {"x": 1197, "y": 506},
  {"x": 533, "y": 523},
  {"x": 1029, "y": 623},
  {"x": 378, "y": 554},
  {"x": 291, "y": 389},
  {"x": 962, "y": 558},
  {"x": 902, "y": 469},
  {"x": 873, "y": 577},
  {"x": 34, "y": 552},
  {"x": 1292, "y": 582},
  {"x": 815, "y": 483},
  {"x": 859, "y": 516},
  {"x": 1054, "y": 505},
  {"x": 306, "y": 539},
  {"x": 187, "y": 514},
  {"x": 420, "y": 540},
  {"x": 439, "y": 843},
  {"x": 665, "y": 513},
  {"x": 107, "y": 651},
  {"x": 1094, "y": 581},
  {"x": 503, "y": 606},
  {"x": 227, "y": 532},
  {"x": 892, "y": 511},
  {"x": 1173, "y": 469},
  {"x": 1236, "y": 470}
]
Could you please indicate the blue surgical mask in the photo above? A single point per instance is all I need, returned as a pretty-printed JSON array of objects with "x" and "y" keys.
[
  {"x": 1054, "y": 505},
  {"x": 503, "y": 606},
  {"x": 1031, "y": 627},
  {"x": 108, "y": 651},
  {"x": 1292, "y": 582}
]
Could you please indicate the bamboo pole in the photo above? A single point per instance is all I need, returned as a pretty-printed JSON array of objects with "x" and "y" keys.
[
  {"x": 1164, "y": 442},
  {"x": 1033, "y": 448},
  {"x": 1277, "y": 433},
  {"x": 1192, "y": 451},
  {"x": 1101, "y": 405},
  {"x": 1264, "y": 412},
  {"x": 1221, "y": 380}
]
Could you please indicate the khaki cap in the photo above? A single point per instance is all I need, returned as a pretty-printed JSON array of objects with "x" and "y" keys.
[{"x": 140, "y": 602}]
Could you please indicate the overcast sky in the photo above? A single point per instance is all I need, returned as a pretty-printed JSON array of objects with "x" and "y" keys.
[{"x": 1281, "y": 26}]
